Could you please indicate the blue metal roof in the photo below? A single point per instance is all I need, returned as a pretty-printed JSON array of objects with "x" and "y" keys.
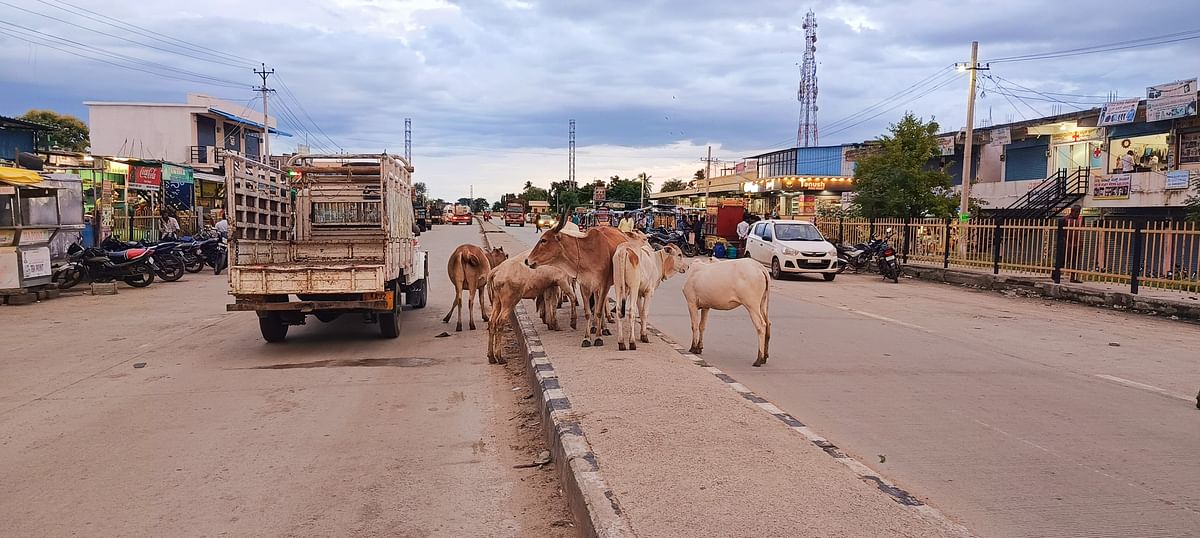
[{"x": 245, "y": 121}]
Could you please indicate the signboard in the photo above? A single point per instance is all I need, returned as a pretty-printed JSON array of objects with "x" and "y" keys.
[
  {"x": 848, "y": 199},
  {"x": 106, "y": 206},
  {"x": 1001, "y": 136},
  {"x": 603, "y": 217},
  {"x": 599, "y": 193},
  {"x": 35, "y": 262},
  {"x": 1179, "y": 88},
  {"x": 1168, "y": 108},
  {"x": 1078, "y": 135},
  {"x": 946, "y": 144},
  {"x": 8, "y": 238},
  {"x": 114, "y": 167},
  {"x": 177, "y": 174},
  {"x": 615, "y": 205},
  {"x": 1177, "y": 179},
  {"x": 145, "y": 177},
  {"x": 1114, "y": 187},
  {"x": 33, "y": 236},
  {"x": 1189, "y": 148},
  {"x": 1117, "y": 112}
]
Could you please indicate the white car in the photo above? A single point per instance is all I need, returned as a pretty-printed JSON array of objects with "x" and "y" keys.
[{"x": 791, "y": 246}]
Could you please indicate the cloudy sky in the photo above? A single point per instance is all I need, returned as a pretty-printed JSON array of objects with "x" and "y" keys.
[{"x": 491, "y": 84}]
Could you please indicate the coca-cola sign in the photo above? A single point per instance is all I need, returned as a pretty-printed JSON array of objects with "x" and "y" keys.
[{"x": 145, "y": 177}]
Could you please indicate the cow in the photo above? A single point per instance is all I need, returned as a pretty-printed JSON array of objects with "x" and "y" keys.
[
  {"x": 638, "y": 269},
  {"x": 468, "y": 268},
  {"x": 724, "y": 285},
  {"x": 512, "y": 281},
  {"x": 588, "y": 258}
]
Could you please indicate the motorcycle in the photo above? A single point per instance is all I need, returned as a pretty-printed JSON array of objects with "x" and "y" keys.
[
  {"x": 168, "y": 261},
  {"x": 135, "y": 266},
  {"x": 888, "y": 266},
  {"x": 857, "y": 257},
  {"x": 661, "y": 238},
  {"x": 214, "y": 253}
]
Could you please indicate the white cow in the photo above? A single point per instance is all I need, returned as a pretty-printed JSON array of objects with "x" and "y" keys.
[
  {"x": 724, "y": 285},
  {"x": 638, "y": 269}
]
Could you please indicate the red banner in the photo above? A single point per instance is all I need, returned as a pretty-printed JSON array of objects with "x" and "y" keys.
[{"x": 145, "y": 177}]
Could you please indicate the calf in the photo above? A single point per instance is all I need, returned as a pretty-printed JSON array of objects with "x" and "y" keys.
[
  {"x": 638, "y": 269},
  {"x": 468, "y": 268},
  {"x": 724, "y": 285},
  {"x": 512, "y": 281}
]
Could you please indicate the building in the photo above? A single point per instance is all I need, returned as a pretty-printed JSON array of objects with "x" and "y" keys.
[
  {"x": 794, "y": 182},
  {"x": 1160, "y": 146},
  {"x": 195, "y": 133},
  {"x": 726, "y": 185},
  {"x": 19, "y": 136}
]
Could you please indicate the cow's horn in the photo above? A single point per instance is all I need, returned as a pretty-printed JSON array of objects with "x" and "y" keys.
[{"x": 562, "y": 221}]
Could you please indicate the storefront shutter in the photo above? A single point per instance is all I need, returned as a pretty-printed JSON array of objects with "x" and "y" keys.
[{"x": 1025, "y": 160}]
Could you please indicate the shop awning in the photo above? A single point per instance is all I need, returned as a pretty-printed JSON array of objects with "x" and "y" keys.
[
  {"x": 19, "y": 176},
  {"x": 244, "y": 121},
  {"x": 211, "y": 178}
]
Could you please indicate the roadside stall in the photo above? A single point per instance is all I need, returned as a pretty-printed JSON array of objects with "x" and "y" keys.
[
  {"x": 39, "y": 217},
  {"x": 720, "y": 222}
]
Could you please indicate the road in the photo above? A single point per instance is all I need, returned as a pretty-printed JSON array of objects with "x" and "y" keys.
[
  {"x": 1016, "y": 416},
  {"x": 335, "y": 432}
]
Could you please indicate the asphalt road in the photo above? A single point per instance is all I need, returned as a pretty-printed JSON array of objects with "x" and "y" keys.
[
  {"x": 334, "y": 432},
  {"x": 1016, "y": 416}
]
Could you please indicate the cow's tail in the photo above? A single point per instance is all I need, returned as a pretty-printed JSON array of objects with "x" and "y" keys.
[{"x": 765, "y": 303}]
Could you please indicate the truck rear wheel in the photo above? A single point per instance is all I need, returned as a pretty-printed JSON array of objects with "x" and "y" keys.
[
  {"x": 273, "y": 329},
  {"x": 389, "y": 322}
]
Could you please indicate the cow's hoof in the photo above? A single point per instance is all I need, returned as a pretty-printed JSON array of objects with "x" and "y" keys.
[
  {"x": 620, "y": 346},
  {"x": 598, "y": 342},
  {"x": 760, "y": 362},
  {"x": 500, "y": 360},
  {"x": 573, "y": 327},
  {"x": 586, "y": 343},
  {"x": 458, "y": 328},
  {"x": 485, "y": 319},
  {"x": 696, "y": 350},
  {"x": 491, "y": 360},
  {"x": 472, "y": 325},
  {"x": 645, "y": 339},
  {"x": 606, "y": 333},
  {"x": 592, "y": 330},
  {"x": 632, "y": 346}
]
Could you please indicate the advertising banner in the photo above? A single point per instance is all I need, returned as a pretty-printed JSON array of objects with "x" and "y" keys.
[
  {"x": 946, "y": 145},
  {"x": 1169, "y": 108},
  {"x": 1177, "y": 179},
  {"x": 599, "y": 193},
  {"x": 1117, "y": 112},
  {"x": 1001, "y": 136},
  {"x": 1179, "y": 88},
  {"x": 1114, "y": 187},
  {"x": 145, "y": 177}
]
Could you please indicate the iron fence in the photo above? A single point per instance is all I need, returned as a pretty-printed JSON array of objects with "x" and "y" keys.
[{"x": 1159, "y": 255}]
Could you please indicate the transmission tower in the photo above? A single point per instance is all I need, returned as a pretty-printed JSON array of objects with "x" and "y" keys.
[
  {"x": 408, "y": 140},
  {"x": 571, "y": 151},
  {"x": 806, "y": 134}
]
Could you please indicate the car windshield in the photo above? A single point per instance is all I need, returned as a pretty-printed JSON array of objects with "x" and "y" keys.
[{"x": 797, "y": 232}]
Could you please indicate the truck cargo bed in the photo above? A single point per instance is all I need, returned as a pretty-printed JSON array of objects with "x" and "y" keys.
[{"x": 307, "y": 277}]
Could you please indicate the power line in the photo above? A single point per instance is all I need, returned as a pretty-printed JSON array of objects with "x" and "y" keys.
[
  {"x": 300, "y": 105},
  {"x": 1107, "y": 47},
  {"x": 1034, "y": 91},
  {"x": 122, "y": 38},
  {"x": 885, "y": 101},
  {"x": 157, "y": 36},
  {"x": 48, "y": 43},
  {"x": 911, "y": 99}
]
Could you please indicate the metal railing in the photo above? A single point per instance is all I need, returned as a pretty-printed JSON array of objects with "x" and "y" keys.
[
  {"x": 214, "y": 155},
  {"x": 364, "y": 213},
  {"x": 1158, "y": 255},
  {"x": 1052, "y": 195},
  {"x": 149, "y": 228}
]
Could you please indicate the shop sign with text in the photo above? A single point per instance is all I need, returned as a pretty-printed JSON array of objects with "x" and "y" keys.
[
  {"x": 1001, "y": 136},
  {"x": 1114, "y": 187},
  {"x": 145, "y": 177},
  {"x": 946, "y": 145},
  {"x": 1118, "y": 112},
  {"x": 1078, "y": 135},
  {"x": 1179, "y": 88},
  {"x": 1169, "y": 108}
]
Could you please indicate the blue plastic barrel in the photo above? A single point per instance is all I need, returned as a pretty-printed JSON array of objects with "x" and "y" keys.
[{"x": 719, "y": 250}]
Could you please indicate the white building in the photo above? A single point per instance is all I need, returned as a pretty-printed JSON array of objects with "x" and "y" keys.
[{"x": 194, "y": 133}]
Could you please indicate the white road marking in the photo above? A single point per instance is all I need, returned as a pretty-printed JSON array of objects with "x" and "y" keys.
[
  {"x": 887, "y": 319},
  {"x": 1143, "y": 386}
]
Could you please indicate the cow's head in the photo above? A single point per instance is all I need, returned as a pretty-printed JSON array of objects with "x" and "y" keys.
[
  {"x": 497, "y": 255},
  {"x": 672, "y": 261},
  {"x": 549, "y": 249}
]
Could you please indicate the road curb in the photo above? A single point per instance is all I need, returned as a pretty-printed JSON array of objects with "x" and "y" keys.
[
  {"x": 593, "y": 504},
  {"x": 864, "y": 473}
]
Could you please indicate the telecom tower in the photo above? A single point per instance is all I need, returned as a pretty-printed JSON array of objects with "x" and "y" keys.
[
  {"x": 571, "y": 158},
  {"x": 408, "y": 140},
  {"x": 806, "y": 134}
]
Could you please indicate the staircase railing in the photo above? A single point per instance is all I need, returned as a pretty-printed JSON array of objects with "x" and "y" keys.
[{"x": 1048, "y": 197}]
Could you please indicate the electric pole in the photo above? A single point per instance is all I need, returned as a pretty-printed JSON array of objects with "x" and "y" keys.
[
  {"x": 266, "y": 152},
  {"x": 968, "y": 144}
]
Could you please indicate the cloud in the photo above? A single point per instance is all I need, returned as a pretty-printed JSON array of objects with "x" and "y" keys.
[{"x": 491, "y": 84}]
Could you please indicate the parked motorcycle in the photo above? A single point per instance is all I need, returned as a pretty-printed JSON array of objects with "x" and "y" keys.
[
  {"x": 214, "y": 252},
  {"x": 661, "y": 238},
  {"x": 168, "y": 261},
  {"x": 860, "y": 256},
  {"x": 889, "y": 267},
  {"x": 135, "y": 266}
]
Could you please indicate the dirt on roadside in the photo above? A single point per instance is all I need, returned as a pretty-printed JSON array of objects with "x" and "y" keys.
[{"x": 537, "y": 498}]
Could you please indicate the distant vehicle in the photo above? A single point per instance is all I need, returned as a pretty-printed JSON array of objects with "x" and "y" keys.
[
  {"x": 545, "y": 221},
  {"x": 461, "y": 215},
  {"x": 792, "y": 246},
  {"x": 422, "y": 215},
  {"x": 514, "y": 213}
]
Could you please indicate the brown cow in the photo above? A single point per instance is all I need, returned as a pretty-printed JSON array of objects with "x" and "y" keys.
[
  {"x": 587, "y": 257},
  {"x": 468, "y": 268},
  {"x": 512, "y": 281}
]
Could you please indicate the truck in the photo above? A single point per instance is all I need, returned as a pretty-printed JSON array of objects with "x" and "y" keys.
[
  {"x": 461, "y": 215},
  {"x": 514, "y": 213},
  {"x": 435, "y": 214},
  {"x": 334, "y": 232}
]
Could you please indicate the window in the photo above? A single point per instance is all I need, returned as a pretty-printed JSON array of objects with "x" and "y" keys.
[
  {"x": 797, "y": 232},
  {"x": 760, "y": 228},
  {"x": 780, "y": 163},
  {"x": 1148, "y": 153}
]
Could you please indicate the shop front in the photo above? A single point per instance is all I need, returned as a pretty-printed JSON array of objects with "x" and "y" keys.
[{"x": 794, "y": 197}]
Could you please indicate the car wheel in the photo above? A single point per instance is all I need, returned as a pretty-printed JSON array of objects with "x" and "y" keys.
[
  {"x": 829, "y": 276},
  {"x": 273, "y": 329},
  {"x": 776, "y": 272}
]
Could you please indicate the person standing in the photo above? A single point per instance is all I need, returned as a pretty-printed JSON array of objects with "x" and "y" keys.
[
  {"x": 743, "y": 231},
  {"x": 170, "y": 227},
  {"x": 1128, "y": 160},
  {"x": 626, "y": 225},
  {"x": 698, "y": 231},
  {"x": 222, "y": 227}
]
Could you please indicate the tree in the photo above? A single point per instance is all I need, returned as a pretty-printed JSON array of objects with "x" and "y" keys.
[
  {"x": 497, "y": 206},
  {"x": 1192, "y": 202},
  {"x": 479, "y": 205},
  {"x": 672, "y": 185},
  {"x": 70, "y": 133},
  {"x": 894, "y": 179},
  {"x": 699, "y": 175},
  {"x": 420, "y": 190},
  {"x": 532, "y": 193},
  {"x": 463, "y": 201}
]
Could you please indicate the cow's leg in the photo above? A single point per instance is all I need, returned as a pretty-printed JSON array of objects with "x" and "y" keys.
[
  {"x": 589, "y": 314},
  {"x": 694, "y": 314},
  {"x": 644, "y": 304},
  {"x": 623, "y": 309},
  {"x": 457, "y": 304},
  {"x": 703, "y": 325},
  {"x": 470, "y": 306},
  {"x": 482, "y": 309},
  {"x": 763, "y": 327},
  {"x": 493, "y": 330},
  {"x": 572, "y": 300}
]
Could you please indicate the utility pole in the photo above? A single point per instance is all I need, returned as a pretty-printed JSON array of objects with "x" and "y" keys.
[
  {"x": 968, "y": 144},
  {"x": 266, "y": 152}
]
